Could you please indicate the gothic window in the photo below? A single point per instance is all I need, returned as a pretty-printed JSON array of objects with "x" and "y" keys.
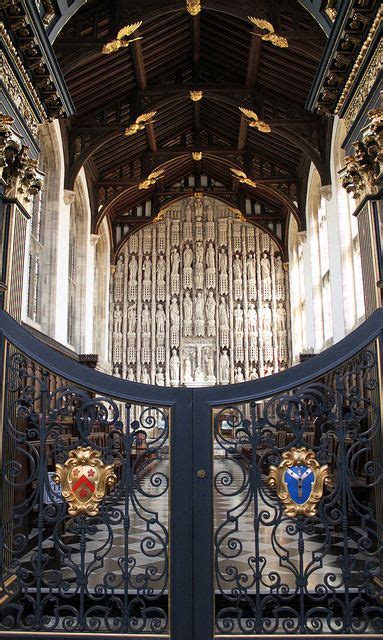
[
  {"x": 320, "y": 266},
  {"x": 297, "y": 289},
  {"x": 352, "y": 284}
]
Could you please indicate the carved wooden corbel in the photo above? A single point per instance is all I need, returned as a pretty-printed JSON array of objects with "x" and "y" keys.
[
  {"x": 362, "y": 174},
  {"x": 18, "y": 170}
]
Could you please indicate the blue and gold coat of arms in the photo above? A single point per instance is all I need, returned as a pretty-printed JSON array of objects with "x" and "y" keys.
[{"x": 299, "y": 481}]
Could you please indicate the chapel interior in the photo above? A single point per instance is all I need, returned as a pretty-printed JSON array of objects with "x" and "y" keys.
[{"x": 191, "y": 306}]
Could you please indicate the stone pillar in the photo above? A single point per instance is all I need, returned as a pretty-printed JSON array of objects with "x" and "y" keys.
[{"x": 363, "y": 177}]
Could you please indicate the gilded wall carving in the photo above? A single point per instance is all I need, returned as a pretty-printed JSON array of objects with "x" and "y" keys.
[{"x": 199, "y": 298}]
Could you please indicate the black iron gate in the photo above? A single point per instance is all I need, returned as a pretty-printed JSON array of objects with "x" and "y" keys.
[{"x": 252, "y": 509}]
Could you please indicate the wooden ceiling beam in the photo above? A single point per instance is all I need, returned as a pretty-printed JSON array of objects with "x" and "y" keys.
[
  {"x": 196, "y": 30},
  {"x": 128, "y": 182},
  {"x": 139, "y": 66}
]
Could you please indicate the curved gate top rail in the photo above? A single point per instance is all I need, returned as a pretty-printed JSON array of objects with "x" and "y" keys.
[{"x": 296, "y": 376}]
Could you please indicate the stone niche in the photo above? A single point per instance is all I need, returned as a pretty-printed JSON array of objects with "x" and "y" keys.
[{"x": 199, "y": 298}]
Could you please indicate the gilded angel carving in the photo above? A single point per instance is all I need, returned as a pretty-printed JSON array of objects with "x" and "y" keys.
[
  {"x": 140, "y": 123},
  {"x": 151, "y": 179},
  {"x": 254, "y": 121},
  {"x": 242, "y": 177},
  {"x": 123, "y": 40},
  {"x": 271, "y": 36}
]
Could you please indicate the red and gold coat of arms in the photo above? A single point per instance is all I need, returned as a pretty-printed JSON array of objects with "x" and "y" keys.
[{"x": 84, "y": 479}]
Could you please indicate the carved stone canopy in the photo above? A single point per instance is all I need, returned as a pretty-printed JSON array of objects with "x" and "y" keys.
[
  {"x": 18, "y": 170},
  {"x": 362, "y": 175}
]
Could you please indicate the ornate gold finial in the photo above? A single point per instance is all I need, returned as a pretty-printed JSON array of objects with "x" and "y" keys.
[
  {"x": 193, "y": 7},
  {"x": 271, "y": 36},
  {"x": 330, "y": 9},
  {"x": 198, "y": 195},
  {"x": 299, "y": 481},
  {"x": 151, "y": 179},
  {"x": 197, "y": 155},
  {"x": 140, "y": 123},
  {"x": 242, "y": 177},
  {"x": 254, "y": 121},
  {"x": 196, "y": 95},
  {"x": 122, "y": 40},
  {"x": 84, "y": 480}
]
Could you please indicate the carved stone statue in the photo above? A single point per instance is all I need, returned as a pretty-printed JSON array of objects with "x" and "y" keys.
[
  {"x": 266, "y": 317},
  {"x": 145, "y": 319},
  {"x": 119, "y": 280},
  {"x": 281, "y": 317},
  {"x": 174, "y": 367},
  {"x": 222, "y": 315},
  {"x": 239, "y": 377},
  {"x": 174, "y": 314},
  {"x": 130, "y": 375},
  {"x": 252, "y": 319},
  {"x": 238, "y": 319},
  {"x": 253, "y": 374},
  {"x": 210, "y": 256},
  {"x": 188, "y": 257},
  {"x": 199, "y": 253},
  {"x": 175, "y": 260},
  {"x": 188, "y": 308},
  {"x": 222, "y": 261},
  {"x": 145, "y": 377},
  {"x": 265, "y": 267},
  {"x": 117, "y": 319},
  {"x": 237, "y": 268},
  {"x": 250, "y": 269},
  {"x": 210, "y": 308},
  {"x": 224, "y": 367},
  {"x": 132, "y": 319},
  {"x": 160, "y": 379},
  {"x": 160, "y": 320},
  {"x": 161, "y": 266},
  {"x": 133, "y": 268},
  {"x": 187, "y": 369},
  {"x": 147, "y": 269}
]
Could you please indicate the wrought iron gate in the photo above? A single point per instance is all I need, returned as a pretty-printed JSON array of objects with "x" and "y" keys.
[{"x": 141, "y": 511}]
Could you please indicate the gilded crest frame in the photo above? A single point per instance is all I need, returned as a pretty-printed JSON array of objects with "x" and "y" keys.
[
  {"x": 84, "y": 457},
  {"x": 297, "y": 457}
]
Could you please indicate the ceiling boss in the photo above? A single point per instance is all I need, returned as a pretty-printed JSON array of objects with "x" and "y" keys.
[
  {"x": 270, "y": 36},
  {"x": 123, "y": 40},
  {"x": 299, "y": 481},
  {"x": 193, "y": 7}
]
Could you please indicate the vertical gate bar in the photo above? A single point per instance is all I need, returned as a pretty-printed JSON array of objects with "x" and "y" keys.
[
  {"x": 203, "y": 516},
  {"x": 40, "y": 480},
  {"x": 181, "y": 524},
  {"x": 256, "y": 481},
  {"x": 126, "y": 482}
]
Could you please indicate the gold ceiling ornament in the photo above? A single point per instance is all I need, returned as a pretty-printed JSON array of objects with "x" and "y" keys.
[
  {"x": 254, "y": 121},
  {"x": 271, "y": 36},
  {"x": 198, "y": 195},
  {"x": 193, "y": 7},
  {"x": 242, "y": 177},
  {"x": 84, "y": 480},
  {"x": 140, "y": 123},
  {"x": 197, "y": 155},
  {"x": 299, "y": 481},
  {"x": 123, "y": 39},
  {"x": 196, "y": 96},
  {"x": 238, "y": 214},
  {"x": 151, "y": 179},
  {"x": 160, "y": 215}
]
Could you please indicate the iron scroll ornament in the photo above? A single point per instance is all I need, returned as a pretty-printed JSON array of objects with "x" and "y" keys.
[{"x": 299, "y": 481}]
